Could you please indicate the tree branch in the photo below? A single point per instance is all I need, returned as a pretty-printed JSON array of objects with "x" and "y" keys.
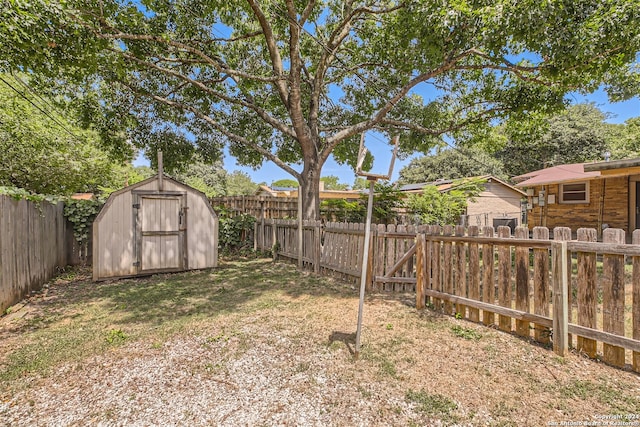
[
  {"x": 274, "y": 52},
  {"x": 276, "y": 124},
  {"x": 220, "y": 128}
]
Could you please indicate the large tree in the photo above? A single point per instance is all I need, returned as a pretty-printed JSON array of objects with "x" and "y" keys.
[
  {"x": 451, "y": 164},
  {"x": 42, "y": 149},
  {"x": 294, "y": 81},
  {"x": 578, "y": 134}
]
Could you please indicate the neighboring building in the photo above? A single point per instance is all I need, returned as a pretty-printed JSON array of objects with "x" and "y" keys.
[
  {"x": 584, "y": 195},
  {"x": 267, "y": 191},
  {"x": 499, "y": 203}
]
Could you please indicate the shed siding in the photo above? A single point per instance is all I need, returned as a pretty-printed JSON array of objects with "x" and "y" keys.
[
  {"x": 496, "y": 201},
  {"x": 202, "y": 230},
  {"x": 608, "y": 204},
  {"x": 114, "y": 245}
]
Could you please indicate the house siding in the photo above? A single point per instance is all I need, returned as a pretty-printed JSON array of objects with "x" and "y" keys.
[
  {"x": 495, "y": 201},
  {"x": 608, "y": 204}
]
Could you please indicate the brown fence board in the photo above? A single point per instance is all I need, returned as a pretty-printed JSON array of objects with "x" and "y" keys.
[
  {"x": 522, "y": 282},
  {"x": 488, "y": 285},
  {"x": 613, "y": 297},
  {"x": 504, "y": 277},
  {"x": 541, "y": 290},
  {"x": 474, "y": 273},
  {"x": 460, "y": 277},
  {"x": 587, "y": 298}
]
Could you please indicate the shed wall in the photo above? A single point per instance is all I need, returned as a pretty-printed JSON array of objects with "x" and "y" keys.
[{"x": 114, "y": 237}]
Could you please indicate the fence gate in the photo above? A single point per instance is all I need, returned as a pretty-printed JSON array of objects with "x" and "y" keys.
[{"x": 160, "y": 230}]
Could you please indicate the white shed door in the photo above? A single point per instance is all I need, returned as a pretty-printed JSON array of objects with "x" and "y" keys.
[{"x": 160, "y": 233}]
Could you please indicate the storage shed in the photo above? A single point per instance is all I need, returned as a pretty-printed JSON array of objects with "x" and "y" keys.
[{"x": 155, "y": 226}]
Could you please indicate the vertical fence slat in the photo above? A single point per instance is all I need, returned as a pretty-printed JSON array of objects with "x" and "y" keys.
[
  {"x": 474, "y": 273},
  {"x": 522, "y": 282},
  {"x": 435, "y": 266},
  {"x": 488, "y": 287},
  {"x": 613, "y": 296},
  {"x": 447, "y": 268},
  {"x": 504, "y": 277},
  {"x": 541, "y": 284},
  {"x": 421, "y": 246},
  {"x": 460, "y": 281},
  {"x": 560, "y": 298},
  {"x": 587, "y": 291}
]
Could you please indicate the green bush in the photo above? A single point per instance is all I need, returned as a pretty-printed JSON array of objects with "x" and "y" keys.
[{"x": 235, "y": 233}]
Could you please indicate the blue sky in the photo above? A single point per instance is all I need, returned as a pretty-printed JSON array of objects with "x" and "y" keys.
[{"x": 381, "y": 149}]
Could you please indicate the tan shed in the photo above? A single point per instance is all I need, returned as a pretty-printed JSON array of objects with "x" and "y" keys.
[{"x": 155, "y": 226}]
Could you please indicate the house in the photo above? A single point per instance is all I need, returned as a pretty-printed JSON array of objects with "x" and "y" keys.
[
  {"x": 499, "y": 203},
  {"x": 584, "y": 195},
  {"x": 350, "y": 195}
]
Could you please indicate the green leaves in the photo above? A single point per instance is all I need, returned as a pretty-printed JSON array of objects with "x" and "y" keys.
[{"x": 81, "y": 214}]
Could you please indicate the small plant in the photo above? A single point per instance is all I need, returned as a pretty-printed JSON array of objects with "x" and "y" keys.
[
  {"x": 116, "y": 336},
  {"x": 389, "y": 326},
  {"x": 458, "y": 316},
  {"x": 466, "y": 333}
]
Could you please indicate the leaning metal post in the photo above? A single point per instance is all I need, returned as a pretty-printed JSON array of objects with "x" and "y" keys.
[{"x": 365, "y": 262}]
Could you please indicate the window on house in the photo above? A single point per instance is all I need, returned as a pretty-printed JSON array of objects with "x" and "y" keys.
[{"x": 574, "y": 193}]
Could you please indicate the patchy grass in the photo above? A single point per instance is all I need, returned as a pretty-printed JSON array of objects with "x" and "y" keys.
[{"x": 416, "y": 367}]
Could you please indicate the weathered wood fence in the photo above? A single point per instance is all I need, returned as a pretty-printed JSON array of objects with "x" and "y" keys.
[
  {"x": 33, "y": 245},
  {"x": 258, "y": 206},
  {"x": 569, "y": 293}
]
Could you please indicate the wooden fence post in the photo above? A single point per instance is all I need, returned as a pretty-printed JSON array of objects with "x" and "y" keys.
[
  {"x": 636, "y": 301},
  {"x": 474, "y": 273},
  {"x": 522, "y": 281},
  {"x": 504, "y": 276},
  {"x": 563, "y": 234},
  {"x": 560, "y": 300},
  {"x": 587, "y": 291},
  {"x": 541, "y": 284},
  {"x": 488, "y": 286},
  {"x": 613, "y": 296},
  {"x": 421, "y": 247}
]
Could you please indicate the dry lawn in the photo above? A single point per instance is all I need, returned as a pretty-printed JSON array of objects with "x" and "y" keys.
[{"x": 258, "y": 343}]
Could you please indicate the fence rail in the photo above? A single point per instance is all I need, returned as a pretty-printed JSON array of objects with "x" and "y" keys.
[
  {"x": 33, "y": 244},
  {"x": 566, "y": 293}
]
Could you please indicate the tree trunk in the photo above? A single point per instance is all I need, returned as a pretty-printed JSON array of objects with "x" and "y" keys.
[{"x": 309, "y": 187}]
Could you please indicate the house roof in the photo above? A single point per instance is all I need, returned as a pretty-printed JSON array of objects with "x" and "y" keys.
[
  {"x": 447, "y": 184},
  {"x": 609, "y": 166},
  {"x": 556, "y": 174}
]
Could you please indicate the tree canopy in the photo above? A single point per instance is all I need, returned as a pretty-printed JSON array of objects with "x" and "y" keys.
[
  {"x": 294, "y": 81},
  {"x": 451, "y": 164},
  {"x": 577, "y": 134},
  {"x": 42, "y": 150}
]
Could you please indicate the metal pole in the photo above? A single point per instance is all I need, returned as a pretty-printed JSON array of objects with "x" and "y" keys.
[{"x": 365, "y": 262}]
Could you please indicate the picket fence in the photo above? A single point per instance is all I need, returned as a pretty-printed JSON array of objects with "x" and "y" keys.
[{"x": 579, "y": 293}]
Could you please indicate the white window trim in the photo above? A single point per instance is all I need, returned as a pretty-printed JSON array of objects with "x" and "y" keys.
[{"x": 575, "y": 202}]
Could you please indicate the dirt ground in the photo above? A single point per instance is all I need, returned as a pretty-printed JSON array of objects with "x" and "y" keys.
[{"x": 255, "y": 342}]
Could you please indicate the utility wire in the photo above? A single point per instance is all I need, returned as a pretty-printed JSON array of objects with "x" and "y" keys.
[{"x": 46, "y": 113}]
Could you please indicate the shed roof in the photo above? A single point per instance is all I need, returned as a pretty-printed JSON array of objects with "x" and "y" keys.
[{"x": 556, "y": 174}]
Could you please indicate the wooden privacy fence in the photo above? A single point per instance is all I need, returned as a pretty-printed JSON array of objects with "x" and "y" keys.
[
  {"x": 33, "y": 244},
  {"x": 570, "y": 293},
  {"x": 258, "y": 206}
]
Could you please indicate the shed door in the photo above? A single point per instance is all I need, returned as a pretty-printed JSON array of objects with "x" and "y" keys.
[{"x": 160, "y": 233}]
